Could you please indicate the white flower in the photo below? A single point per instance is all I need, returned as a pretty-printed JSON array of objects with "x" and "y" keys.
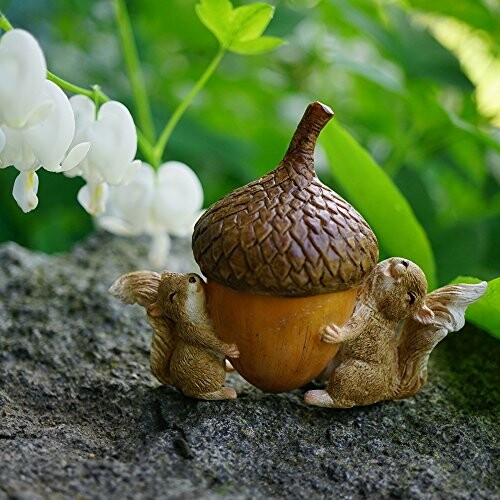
[
  {"x": 42, "y": 145},
  {"x": 23, "y": 72},
  {"x": 52, "y": 137},
  {"x": 159, "y": 203},
  {"x": 110, "y": 160},
  {"x": 46, "y": 143},
  {"x": 2, "y": 142},
  {"x": 25, "y": 190},
  {"x": 93, "y": 197},
  {"x": 16, "y": 150}
]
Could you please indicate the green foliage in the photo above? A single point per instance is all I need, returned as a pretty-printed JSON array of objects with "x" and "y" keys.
[
  {"x": 376, "y": 196},
  {"x": 239, "y": 30},
  {"x": 485, "y": 313},
  {"x": 397, "y": 90},
  {"x": 475, "y": 13}
]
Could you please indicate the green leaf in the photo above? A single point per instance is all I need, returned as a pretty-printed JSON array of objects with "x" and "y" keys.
[
  {"x": 239, "y": 30},
  {"x": 216, "y": 15},
  {"x": 258, "y": 46},
  {"x": 378, "y": 199},
  {"x": 250, "y": 21},
  {"x": 485, "y": 313}
]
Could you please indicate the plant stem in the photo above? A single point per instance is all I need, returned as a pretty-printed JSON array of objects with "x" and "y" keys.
[
  {"x": 4, "y": 23},
  {"x": 181, "y": 108},
  {"x": 145, "y": 146},
  {"x": 135, "y": 75},
  {"x": 95, "y": 94}
]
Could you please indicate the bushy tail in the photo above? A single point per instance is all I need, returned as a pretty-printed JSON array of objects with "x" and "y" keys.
[
  {"x": 141, "y": 287},
  {"x": 417, "y": 341},
  {"x": 162, "y": 347}
]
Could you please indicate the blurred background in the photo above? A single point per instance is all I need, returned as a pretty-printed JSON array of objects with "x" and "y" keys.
[{"x": 417, "y": 82}]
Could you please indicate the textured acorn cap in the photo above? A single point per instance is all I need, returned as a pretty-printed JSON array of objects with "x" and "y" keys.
[{"x": 287, "y": 234}]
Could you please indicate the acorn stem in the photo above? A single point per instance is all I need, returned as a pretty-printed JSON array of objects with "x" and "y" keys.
[{"x": 316, "y": 116}]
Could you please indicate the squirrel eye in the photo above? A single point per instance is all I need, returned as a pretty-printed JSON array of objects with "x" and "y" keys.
[
  {"x": 412, "y": 297},
  {"x": 171, "y": 296},
  {"x": 192, "y": 279}
]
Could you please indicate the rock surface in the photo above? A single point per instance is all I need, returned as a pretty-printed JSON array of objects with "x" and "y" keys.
[{"x": 81, "y": 416}]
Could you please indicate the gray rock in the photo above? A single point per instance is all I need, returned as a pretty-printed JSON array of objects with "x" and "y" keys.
[{"x": 81, "y": 416}]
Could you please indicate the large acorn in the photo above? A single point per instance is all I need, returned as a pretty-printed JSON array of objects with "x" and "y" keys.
[{"x": 283, "y": 257}]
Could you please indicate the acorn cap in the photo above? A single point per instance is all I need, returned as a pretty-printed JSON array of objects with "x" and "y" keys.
[{"x": 287, "y": 234}]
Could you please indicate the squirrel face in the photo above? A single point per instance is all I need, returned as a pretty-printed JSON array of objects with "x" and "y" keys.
[
  {"x": 398, "y": 287},
  {"x": 180, "y": 297}
]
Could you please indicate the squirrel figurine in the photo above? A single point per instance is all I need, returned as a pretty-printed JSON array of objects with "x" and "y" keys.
[
  {"x": 387, "y": 341},
  {"x": 185, "y": 349}
]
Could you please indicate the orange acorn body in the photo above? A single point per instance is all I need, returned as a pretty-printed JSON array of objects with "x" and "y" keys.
[
  {"x": 283, "y": 257},
  {"x": 277, "y": 337}
]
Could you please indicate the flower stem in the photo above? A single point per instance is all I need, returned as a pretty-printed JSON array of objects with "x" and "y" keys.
[
  {"x": 96, "y": 94},
  {"x": 145, "y": 146},
  {"x": 4, "y": 23},
  {"x": 181, "y": 108},
  {"x": 135, "y": 75}
]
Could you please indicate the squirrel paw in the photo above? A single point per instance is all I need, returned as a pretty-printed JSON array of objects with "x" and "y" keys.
[
  {"x": 332, "y": 334},
  {"x": 232, "y": 351},
  {"x": 318, "y": 398}
]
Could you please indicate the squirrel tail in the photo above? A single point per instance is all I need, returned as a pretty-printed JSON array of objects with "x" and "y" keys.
[
  {"x": 416, "y": 340},
  {"x": 416, "y": 343},
  {"x": 141, "y": 287}
]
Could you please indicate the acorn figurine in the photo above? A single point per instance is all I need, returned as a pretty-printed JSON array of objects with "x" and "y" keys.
[
  {"x": 292, "y": 277},
  {"x": 284, "y": 257}
]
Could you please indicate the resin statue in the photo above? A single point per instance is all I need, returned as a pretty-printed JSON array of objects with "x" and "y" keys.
[
  {"x": 283, "y": 257},
  {"x": 293, "y": 282},
  {"x": 386, "y": 343},
  {"x": 185, "y": 351}
]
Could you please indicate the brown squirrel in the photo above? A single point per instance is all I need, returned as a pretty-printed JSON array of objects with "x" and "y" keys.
[
  {"x": 185, "y": 350},
  {"x": 387, "y": 341}
]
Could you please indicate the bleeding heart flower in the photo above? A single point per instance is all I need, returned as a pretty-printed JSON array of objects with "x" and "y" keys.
[
  {"x": 42, "y": 145},
  {"x": 25, "y": 190},
  {"x": 22, "y": 65},
  {"x": 160, "y": 203},
  {"x": 113, "y": 144},
  {"x": 46, "y": 143}
]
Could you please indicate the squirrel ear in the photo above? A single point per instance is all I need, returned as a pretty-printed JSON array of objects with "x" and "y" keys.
[
  {"x": 424, "y": 315},
  {"x": 154, "y": 310}
]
